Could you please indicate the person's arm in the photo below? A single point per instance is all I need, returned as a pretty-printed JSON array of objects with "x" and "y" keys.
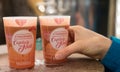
[
  {"x": 92, "y": 44},
  {"x": 112, "y": 57}
]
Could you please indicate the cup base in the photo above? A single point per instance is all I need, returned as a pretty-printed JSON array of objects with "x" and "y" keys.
[
  {"x": 27, "y": 67},
  {"x": 55, "y": 63}
]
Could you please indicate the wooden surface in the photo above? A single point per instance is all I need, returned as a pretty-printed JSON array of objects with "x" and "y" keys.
[{"x": 75, "y": 63}]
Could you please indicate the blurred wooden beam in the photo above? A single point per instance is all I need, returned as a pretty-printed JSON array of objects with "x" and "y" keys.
[{"x": 111, "y": 18}]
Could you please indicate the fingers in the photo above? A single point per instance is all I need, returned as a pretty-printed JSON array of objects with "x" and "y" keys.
[
  {"x": 71, "y": 36},
  {"x": 65, "y": 52},
  {"x": 74, "y": 47},
  {"x": 71, "y": 31}
]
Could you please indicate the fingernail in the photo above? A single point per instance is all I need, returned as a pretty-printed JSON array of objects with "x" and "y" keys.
[{"x": 58, "y": 56}]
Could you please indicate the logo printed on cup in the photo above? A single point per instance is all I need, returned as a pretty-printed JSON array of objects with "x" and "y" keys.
[
  {"x": 59, "y": 38},
  {"x": 20, "y": 22},
  {"x": 22, "y": 41},
  {"x": 59, "y": 20}
]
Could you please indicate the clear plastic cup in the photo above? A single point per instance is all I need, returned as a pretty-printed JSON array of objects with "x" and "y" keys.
[
  {"x": 54, "y": 33},
  {"x": 20, "y": 35}
]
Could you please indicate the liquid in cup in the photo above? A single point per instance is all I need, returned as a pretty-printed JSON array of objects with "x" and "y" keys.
[
  {"x": 20, "y": 35},
  {"x": 54, "y": 33}
]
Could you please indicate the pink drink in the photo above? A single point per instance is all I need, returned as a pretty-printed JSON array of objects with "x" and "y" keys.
[
  {"x": 54, "y": 33},
  {"x": 20, "y": 37}
]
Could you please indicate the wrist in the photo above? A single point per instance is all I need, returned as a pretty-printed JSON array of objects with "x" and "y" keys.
[{"x": 104, "y": 45}]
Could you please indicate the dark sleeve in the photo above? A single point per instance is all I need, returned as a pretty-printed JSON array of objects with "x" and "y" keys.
[{"x": 111, "y": 60}]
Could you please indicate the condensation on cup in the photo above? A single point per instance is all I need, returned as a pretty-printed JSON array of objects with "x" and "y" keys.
[
  {"x": 20, "y": 35},
  {"x": 54, "y": 33}
]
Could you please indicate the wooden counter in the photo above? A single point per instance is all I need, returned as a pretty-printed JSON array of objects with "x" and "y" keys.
[{"x": 75, "y": 63}]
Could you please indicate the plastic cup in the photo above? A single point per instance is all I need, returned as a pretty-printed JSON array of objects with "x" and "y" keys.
[
  {"x": 54, "y": 33},
  {"x": 20, "y": 35}
]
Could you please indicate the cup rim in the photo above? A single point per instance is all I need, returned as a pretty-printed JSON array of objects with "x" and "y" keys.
[
  {"x": 55, "y": 16},
  {"x": 19, "y": 17}
]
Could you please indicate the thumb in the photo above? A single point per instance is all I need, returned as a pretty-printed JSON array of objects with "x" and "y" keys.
[{"x": 65, "y": 52}]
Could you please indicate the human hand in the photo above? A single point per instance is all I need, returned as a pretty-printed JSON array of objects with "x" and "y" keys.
[{"x": 86, "y": 42}]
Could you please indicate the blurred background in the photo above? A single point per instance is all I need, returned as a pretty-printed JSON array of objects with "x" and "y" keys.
[{"x": 97, "y": 15}]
